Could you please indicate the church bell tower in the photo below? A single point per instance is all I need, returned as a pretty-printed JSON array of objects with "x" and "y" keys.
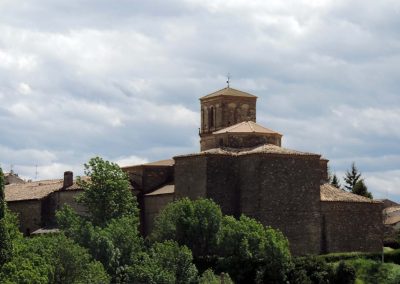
[{"x": 222, "y": 109}]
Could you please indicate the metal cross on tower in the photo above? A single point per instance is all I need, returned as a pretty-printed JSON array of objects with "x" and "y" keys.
[{"x": 229, "y": 79}]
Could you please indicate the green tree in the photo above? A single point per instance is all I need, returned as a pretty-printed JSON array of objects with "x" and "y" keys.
[
  {"x": 311, "y": 270},
  {"x": 107, "y": 193},
  {"x": 208, "y": 277},
  {"x": 191, "y": 223},
  {"x": 361, "y": 189},
  {"x": 52, "y": 259},
  {"x": 351, "y": 177},
  {"x": 345, "y": 274},
  {"x": 5, "y": 240},
  {"x": 335, "y": 181},
  {"x": 110, "y": 231},
  {"x": 116, "y": 246},
  {"x": 165, "y": 262},
  {"x": 249, "y": 249}
]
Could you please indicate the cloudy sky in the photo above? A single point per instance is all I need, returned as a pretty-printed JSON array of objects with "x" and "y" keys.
[{"x": 121, "y": 79}]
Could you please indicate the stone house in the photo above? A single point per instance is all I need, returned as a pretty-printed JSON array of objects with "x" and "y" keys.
[
  {"x": 12, "y": 177},
  {"x": 243, "y": 167},
  {"x": 36, "y": 202}
]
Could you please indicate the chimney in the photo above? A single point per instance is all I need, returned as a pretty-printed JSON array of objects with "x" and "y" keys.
[{"x": 68, "y": 179}]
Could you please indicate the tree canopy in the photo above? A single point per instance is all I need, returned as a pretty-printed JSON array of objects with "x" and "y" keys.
[
  {"x": 52, "y": 259},
  {"x": 5, "y": 240},
  {"x": 335, "y": 181},
  {"x": 361, "y": 189},
  {"x": 354, "y": 183},
  {"x": 191, "y": 223},
  {"x": 244, "y": 248},
  {"x": 351, "y": 177},
  {"x": 107, "y": 193}
]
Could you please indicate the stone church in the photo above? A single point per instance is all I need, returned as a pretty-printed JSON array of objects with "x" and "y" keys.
[{"x": 243, "y": 167}]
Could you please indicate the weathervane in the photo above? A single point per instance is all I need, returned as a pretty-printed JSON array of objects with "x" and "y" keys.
[{"x": 229, "y": 79}]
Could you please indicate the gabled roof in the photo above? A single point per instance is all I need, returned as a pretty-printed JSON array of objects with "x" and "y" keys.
[
  {"x": 331, "y": 193},
  {"x": 34, "y": 190},
  {"x": 228, "y": 92},
  {"x": 247, "y": 127}
]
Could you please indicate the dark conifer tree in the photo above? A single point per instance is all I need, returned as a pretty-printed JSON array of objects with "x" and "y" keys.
[
  {"x": 5, "y": 241},
  {"x": 335, "y": 181},
  {"x": 351, "y": 178},
  {"x": 361, "y": 189}
]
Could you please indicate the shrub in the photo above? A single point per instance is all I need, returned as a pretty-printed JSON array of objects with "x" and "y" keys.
[{"x": 345, "y": 274}]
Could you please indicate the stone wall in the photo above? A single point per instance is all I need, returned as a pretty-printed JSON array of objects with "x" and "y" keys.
[
  {"x": 283, "y": 192},
  {"x": 147, "y": 178},
  {"x": 223, "y": 184},
  {"x": 351, "y": 226},
  {"x": 154, "y": 177},
  {"x": 29, "y": 214},
  {"x": 153, "y": 204},
  {"x": 190, "y": 176}
]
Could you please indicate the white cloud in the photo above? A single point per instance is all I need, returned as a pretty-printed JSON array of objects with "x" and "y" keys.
[
  {"x": 130, "y": 161},
  {"x": 123, "y": 79}
]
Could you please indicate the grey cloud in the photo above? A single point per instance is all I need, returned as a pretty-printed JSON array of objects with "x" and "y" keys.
[{"x": 123, "y": 79}]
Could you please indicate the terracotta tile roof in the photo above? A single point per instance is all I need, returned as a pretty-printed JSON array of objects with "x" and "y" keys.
[
  {"x": 392, "y": 209},
  {"x": 331, "y": 193},
  {"x": 161, "y": 163},
  {"x": 247, "y": 127},
  {"x": 264, "y": 149},
  {"x": 166, "y": 189},
  {"x": 391, "y": 220},
  {"x": 228, "y": 92},
  {"x": 34, "y": 190},
  {"x": 168, "y": 162}
]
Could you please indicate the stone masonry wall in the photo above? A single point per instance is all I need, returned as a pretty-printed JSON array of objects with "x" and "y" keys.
[
  {"x": 283, "y": 192},
  {"x": 153, "y": 204},
  {"x": 154, "y": 177},
  {"x": 29, "y": 214},
  {"x": 190, "y": 176},
  {"x": 351, "y": 226},
  {"x": 278, "y": 190},
  {"x": 223, "y": 183}
]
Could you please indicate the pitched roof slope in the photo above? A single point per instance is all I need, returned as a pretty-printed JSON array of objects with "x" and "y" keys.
[
  {"x": 247, "y": 127},
  {"x": 264, "y": 149},
  {"x": 228, "y": 92},
  {"x": 331, "y": 193},
  {"x": 161, "y": 163},
  {"x": 165, "y": 189},
  {"x": 34, "y": 190}
]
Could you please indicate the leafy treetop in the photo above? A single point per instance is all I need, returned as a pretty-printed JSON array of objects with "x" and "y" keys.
[{"x": 107, "y": 193}]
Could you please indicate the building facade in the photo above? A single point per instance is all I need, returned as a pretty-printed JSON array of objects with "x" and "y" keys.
[{"x": 243, "y": 167}]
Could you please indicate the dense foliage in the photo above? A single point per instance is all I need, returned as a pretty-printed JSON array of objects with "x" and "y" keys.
[
  {"x": 194, "y": 224},
  {"x": 107, "y": 193},
  {"x": 192, "y": 242},
  {"x": 5, "y": 240},
  {"x": 165, "y": 262},
  {"x": 244, "y": 248},
  {"x": 110, "y": 230}
]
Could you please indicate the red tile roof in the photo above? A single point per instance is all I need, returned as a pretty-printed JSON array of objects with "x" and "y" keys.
[
  {"x": 247, "y": 127},
  {"x": 329, "y": 192}
]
